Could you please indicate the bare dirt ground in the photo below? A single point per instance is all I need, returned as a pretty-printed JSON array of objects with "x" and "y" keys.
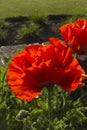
[{"x": 14, "y": 42}]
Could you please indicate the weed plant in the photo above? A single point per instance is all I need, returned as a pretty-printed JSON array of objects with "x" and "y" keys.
[
  {"x": 27, "y": 32},
  {"x": 3, "y": 30}
]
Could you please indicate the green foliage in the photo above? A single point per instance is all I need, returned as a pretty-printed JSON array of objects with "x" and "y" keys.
[
  {"x": 3, "y": 30},
  {"x": 32, "y": 28},
  {"x": 27, "y": 32},
  {"x": 39, "y": 19}
]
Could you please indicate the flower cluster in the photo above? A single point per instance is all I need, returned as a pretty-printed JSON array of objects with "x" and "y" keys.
[{"x": 39, "y": 65}]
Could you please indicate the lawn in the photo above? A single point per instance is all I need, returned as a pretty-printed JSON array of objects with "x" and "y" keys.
[{"x": 10, "y": 8}]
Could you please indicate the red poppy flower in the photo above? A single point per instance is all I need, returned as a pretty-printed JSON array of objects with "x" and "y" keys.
[
  {"x": 75, "y": 34},
  {"x": 38, "y": 66}
]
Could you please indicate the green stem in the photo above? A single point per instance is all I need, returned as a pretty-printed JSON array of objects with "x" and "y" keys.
[{"x": 50, "y": 89}]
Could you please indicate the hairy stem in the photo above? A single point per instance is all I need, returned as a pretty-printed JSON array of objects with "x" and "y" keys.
[{"x": 50, "y": 90}]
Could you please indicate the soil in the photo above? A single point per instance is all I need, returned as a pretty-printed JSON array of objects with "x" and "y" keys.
[{"x": 14, "y": 41}]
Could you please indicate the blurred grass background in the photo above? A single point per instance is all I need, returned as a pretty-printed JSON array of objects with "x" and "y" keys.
[{"x": 11, "y": 8}]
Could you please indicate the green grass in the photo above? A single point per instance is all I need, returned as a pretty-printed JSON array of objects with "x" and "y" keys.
[{"x": 11, "y": 8}]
